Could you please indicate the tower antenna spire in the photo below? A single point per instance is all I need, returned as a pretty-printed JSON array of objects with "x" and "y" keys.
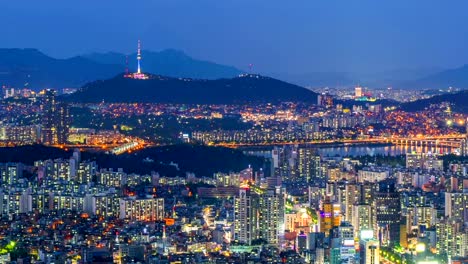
[{"x": 139, "y": 57}]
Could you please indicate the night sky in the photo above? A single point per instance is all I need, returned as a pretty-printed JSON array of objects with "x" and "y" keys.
[{"x": 294, "y": 36}]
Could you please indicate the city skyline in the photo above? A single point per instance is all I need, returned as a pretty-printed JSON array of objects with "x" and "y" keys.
[{"x": 162, "y": 158}]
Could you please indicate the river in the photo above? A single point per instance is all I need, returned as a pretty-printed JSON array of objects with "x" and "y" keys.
[
  {"x": 392, "y": 150},
  {"x": 357, "y": 150}
]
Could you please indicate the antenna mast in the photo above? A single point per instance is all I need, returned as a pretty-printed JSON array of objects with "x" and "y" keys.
[{"x": 139, "y": 57}]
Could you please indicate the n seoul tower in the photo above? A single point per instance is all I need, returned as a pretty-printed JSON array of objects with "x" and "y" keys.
[{"x": 139, "y": 57}]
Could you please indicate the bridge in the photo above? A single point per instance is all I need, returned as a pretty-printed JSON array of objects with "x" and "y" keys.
[
  {"x": 452, "y": 141},
  {"x": 125, "y": 148}
]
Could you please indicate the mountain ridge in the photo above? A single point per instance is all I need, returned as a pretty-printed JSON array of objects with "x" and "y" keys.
[
  {"x": 34, "y": 69},
  {"x": 168, "y": 62},
  {"x": 456, "y": 77},
  {"x": 458, "y": 100},
  {"x": 161, "y": 89}
]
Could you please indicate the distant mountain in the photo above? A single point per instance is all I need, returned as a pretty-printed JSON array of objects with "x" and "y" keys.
[
  {"x": 169, "y": 62},
  {"x": 160, "y": 89},
  {"x": 349, "y": 79},
  {"x": 457, "y": 78},
  {"x": 459, "y": 101},
  {"x": 31, "y": 68}
]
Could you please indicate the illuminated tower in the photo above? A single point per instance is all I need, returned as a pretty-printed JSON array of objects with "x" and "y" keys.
[{"x": 139, "y": 57}]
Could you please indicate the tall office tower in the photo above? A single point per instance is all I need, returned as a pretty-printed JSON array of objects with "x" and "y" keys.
[
  {"x": 309, "y": 166},
  {"x": 55, "y": 120},
  {"x": 388, "y": 211},
  {"x": 245, "y": 217}
]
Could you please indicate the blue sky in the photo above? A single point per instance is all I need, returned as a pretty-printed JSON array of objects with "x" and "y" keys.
[{"x": 296, "y": 36}]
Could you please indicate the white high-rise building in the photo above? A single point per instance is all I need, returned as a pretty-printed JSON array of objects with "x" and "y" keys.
[
  {"x": 244, "y": 217},
  {"x": 258, "y": 215}
]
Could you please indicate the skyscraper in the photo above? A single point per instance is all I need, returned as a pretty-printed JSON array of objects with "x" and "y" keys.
[
  {"x": 308, "y": 165},
  {"x": 48, "y": 129},
  {"x": 388, "y": 211},
  {"x": 244, "y": 217},
  {"x": 63, "y": 122},
  {"x": 257, "y": 215},
  {"x": 55, "y": 120}
]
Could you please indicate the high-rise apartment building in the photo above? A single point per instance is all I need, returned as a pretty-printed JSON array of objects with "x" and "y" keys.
[
  {"x": 456, "y": 205},
  {"x": 308, "y": 165},
  {"x": 55, "y": 120},
  {"x": 142, "y": 209},
  {"x": 258, "y": 214},
  {"x": 245, "y": 217}
]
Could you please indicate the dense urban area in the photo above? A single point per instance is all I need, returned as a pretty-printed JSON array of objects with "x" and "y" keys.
[{"x": 281, "y": 196}]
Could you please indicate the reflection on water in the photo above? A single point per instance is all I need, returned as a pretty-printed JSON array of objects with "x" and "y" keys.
[{"x": 393, "y": 150}]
